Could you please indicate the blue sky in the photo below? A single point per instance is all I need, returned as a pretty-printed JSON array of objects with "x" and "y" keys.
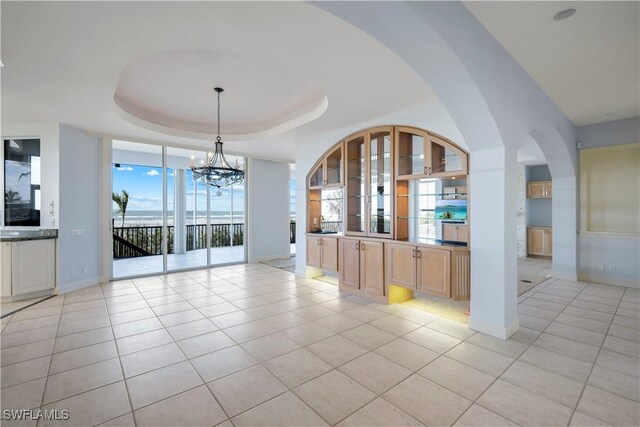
[{"x": 144, "y": 185}]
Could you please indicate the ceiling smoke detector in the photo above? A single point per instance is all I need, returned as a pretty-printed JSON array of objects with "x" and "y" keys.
[{"x": 565, "y": 14}]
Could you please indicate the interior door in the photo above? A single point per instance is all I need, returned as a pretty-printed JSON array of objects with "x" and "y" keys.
[
  {"x": 372, "y": 267},
  {"x": 434, "y": 272},
  {"x": 349, "y": 256}
]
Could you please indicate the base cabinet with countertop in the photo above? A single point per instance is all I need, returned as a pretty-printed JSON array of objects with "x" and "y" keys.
[
  {"x": 28, "y": 267},
  {"x": 361, "y": 266},
  {"x": 419, "y": 268},
  {"x": 539, "y": 241},
  {"x": 322, "y": 252}
]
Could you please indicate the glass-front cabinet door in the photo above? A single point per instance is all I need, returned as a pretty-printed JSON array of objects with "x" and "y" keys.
[
  {"x": 316, "y": 180},
  {"x": 356, "y": 168},
  {"x": 333, "y": 168},
  {"x": 380, "y": 183},
  {"x": 410, "y": 153},
  {"x": 444, "y": 159}
]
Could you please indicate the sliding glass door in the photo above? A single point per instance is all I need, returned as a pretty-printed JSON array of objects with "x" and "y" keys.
[
  {"x": 137, "y": 209},
  {"x": 165, "y": 221}
]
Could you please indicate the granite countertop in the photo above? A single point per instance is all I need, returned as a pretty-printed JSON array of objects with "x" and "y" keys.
[{"x": 12, "y": 235}]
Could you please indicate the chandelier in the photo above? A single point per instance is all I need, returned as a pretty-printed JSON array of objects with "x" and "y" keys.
[{"x": 216, "y": 170}]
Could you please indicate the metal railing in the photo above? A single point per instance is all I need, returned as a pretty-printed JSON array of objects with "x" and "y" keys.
[
  {"x": 144, "y": 240},
  {"x": 326, "y": 225}
]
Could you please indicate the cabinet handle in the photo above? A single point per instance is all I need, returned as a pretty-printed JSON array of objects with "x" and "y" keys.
[
  {"x": 413, "y": 253},
  {"x": 418, "y": 254},
  {"x": 429, "y": 170},
  {"x": 357, "y": 246},
  {"x": 362, "y": 245}
]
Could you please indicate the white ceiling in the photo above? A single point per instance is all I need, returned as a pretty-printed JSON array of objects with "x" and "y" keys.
[
  {"x": 589, "y": 64},
  {"x": 65, "y": 62}
]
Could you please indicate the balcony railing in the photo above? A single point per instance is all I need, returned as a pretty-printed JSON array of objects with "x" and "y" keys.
[
  {"x": 326, "y": 225},
  {"x": 143, "y": 240}
]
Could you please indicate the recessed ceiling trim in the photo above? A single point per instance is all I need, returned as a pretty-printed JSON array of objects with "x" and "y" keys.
[{"x": 144, "y": 119}]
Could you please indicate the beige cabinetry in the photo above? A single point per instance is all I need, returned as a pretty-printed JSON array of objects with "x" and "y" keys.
[
  {"x": 455, "y": 232},
  {"x": 328, "y": 172},
  {"x": 539, "y": 190},
  {"x": 369, "y": 184},
  {"x": 539, "y": 241},
  {"x": 28, "y": 267},
  {"x": 361, "y": 266},
  {"x": 423, "y": 154},
  {"x": 322, "y": 252},
  {"x": 419, "y": 268}
]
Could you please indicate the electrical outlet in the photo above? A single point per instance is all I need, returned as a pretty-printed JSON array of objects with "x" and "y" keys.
[
  {"x": 85, "y": 270},
  {"x": 74, "y": 273},
  {"x": 611, "y": 267},
  {"x": 600, "y": 267}
]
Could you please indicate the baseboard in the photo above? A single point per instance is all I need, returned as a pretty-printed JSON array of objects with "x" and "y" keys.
[
  {"x": 605, "y": 280},
  {"x": 74, "y": 286},
  {"x": 269, "y": 258},
  {"x": 496, "y": 331}
]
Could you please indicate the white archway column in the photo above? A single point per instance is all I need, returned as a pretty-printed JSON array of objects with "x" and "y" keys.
[
  {"x": 494, "y": 299},
  {"x": 565, "y": 228}
]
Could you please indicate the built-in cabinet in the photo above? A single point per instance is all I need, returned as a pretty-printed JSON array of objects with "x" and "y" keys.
[
  {"x": 322, "y": 252},
  {"x": 361, "y": 265},
  {"x": 539, "y": 190},
  {"x": 419, "y": 268},
  {"x": 455, "y": 232},
  {"x": 369, "y": 189},
  {"x": 27, "y": 267},
  {"x": 539, "y": 241},
  {"x": 422, "y": 154},
  {"x": 389, "y": 200}
]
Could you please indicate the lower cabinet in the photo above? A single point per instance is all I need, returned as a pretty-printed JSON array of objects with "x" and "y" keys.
[
  {"x": 28, "y": 266},
  {"x": 322, "y": 252},
  {"x": 423, "y": 269},
  {"x": 455, "y": 232},
  {"x": 539, "y": 241},
  {"x": 361, "y": 265}
]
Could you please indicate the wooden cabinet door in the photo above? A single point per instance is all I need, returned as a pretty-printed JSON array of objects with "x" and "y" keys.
[
  {"x": 329, "y": 258},
  {"x": 462, "y": 233},
  {"x": 535, "y": 190},
  {"x": 314, "y": 251},
  {"x": 401, "y": 265},
  {"x": 548, "y": 242},
  {"x": 535, "y": 241},
  {"x": 349, "y": 266},
  {"x": 548, "y": 189},
  {"x": 372, "y": 267},
  {"x": 444, "y": 159},
  {"x": 24, "y": 256},
  {"x": 449, "y": 232},
  {"x": 434, "y": 272}
]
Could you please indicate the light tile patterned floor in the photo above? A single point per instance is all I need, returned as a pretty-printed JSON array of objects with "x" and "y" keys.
[{"x": 251, "y": 345}]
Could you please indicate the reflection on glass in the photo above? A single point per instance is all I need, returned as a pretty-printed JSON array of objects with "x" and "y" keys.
[
  {"x": 380, "y": 185},
  {"x": 334, "y": 167},
  {"x": 317, "y": 177},
  {"x": 422, "y": 205},
  {"x": 22, "y": 182},
  {"x": 356, "y": 172},
  {"x": 444, "y": 159},
  {"x": 410, "y": 154}
]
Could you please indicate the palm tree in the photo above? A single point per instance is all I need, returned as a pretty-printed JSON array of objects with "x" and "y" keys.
[
  {"x": 11, "y": 196},
  {"x": 122, "y": 200}
]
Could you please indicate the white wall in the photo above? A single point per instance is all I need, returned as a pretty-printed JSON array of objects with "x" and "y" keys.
[
  {"x": 267, "y": 210},
  {"x": 608, "y": 257},
  {"x": 79, "y": 232},
  {"x": 49, "y": 163}
]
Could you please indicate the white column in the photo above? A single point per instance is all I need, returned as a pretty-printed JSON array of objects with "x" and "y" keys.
[
  {"x": 492, "y": 188},
  {"x": 179, "y": 213},
  {"x": 564, "y": 219}
]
